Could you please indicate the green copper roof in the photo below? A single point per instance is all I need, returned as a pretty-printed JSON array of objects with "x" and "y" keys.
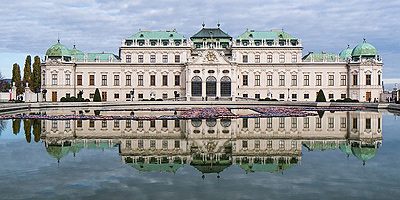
[
  {"x": 58, "y": 50},
  {"x": 58, "y": 151},
  {"x": 320, "y": 146},
  {"x": 272, "y": 168},
  {"x": 156, "y": 35},
  {"x": 364, "y": 49},
  {"x": 77, "y": 54},
  {"x": 321, "y": 56},
  {"x": 364, "y": 153},
  {"x": 102, "y": 56},
  {"x": 208, "y": 32},
  {"x": 346, "y": 148},
  {"x": 163, "y": 167},
  {"x": 346, "y": 53},
  {"x": 268, "y": 35}
]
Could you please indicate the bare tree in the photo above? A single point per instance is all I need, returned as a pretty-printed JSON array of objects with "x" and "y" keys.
[{"x": 4, "y": 85}]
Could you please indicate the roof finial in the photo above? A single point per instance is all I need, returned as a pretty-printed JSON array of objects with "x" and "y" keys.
[
  {"x": 58, "y": 37},
  {"x": 203, "y": 24},
  {"x": 348, "y": 46},
  {"x": 364, "y": 39}
]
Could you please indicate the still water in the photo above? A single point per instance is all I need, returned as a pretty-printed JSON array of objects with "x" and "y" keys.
[{"x": 338, "y": 155}]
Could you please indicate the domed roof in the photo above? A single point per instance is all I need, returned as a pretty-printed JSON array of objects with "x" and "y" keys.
[
  {"x": 364, "y": 49},
  {"x": 75, "y": 52},
  {"x": 58, "y": 50},
  {"x": 364, "y": 153},
  {"x": 346, "y": 53}
]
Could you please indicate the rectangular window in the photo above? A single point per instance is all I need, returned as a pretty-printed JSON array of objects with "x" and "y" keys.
[
  {"x": 257, "y": 58},
  {"x": 54, "y": 124},
  {"x": 331, "y": 81},
  {"x": 104, "y": 80},
  {"x": 330, "y": 96},
  {"x": 342, "y": 96},
  {"x": 165, "y": 58},
  {"x": 103, "y": 96},
  {"x": 152, "y": 123},
  {"x": 140, "y": 58},
  {"x": 152, "y": 80},
  {"x": 318, "y": 122},
  {"x": 269, "y": 58},
  {"x": 140, "y": 96},
  {"x": 257, "y": 80},
  {"x": 152, "y": 144},
  {"x": 116, "y": 96},
  {"x": 343, "y": 79},
  {"x": 140, "y": 80},
  {"x": 281, "y": 96},
  {"x": 294, "y": 144},
  {"x": 79, "y": 80},
  {"x": 281, "y": 58},
  {"x": 245, "y": 95},
  {"x": 44, "y": 79},
  {"x": 294, "y": 122},
  {"x": 355, "y": 123},
  {"x": 269, "y": 80},
  {"x": 177, "y": 144},
  {"x": 79, "y": 123},
  {"x": 54, "y": 79},
  {"x": 91, "y": 79},
  {"x": 257, "y": 144},
  {"x": 294, "y": 58},
  {"x": 306, "y": 96},
  {"x": 281, "y": 122},
  {"x": 368, "y": 123},
  {"x": 318, "y": 80},
  {"x": 164, "y": 123},
  {"x": 140, "y": 124},
  {"x": 306, "y": 80},
  {"x": 244, "y": 144},
  {"x": 245, "y": 59},
  {"x": 343, "y": 122},
  {"x": 331, "y": 122},
  {"x": 281, "y": 80},
  {"x": 368, "y": 79},
  {"x": 281, "y": 144},
  {"x": 67, "y": 95},
  {"x": 245, "y": 80},
  {"x": 165, "y": 144},
  {"x": 128, "y": 144},
  {"x": 140, "y": 144},
  {"x": 68, "y": 124},
  {"x": 165, "y": 96},
  {"x": 355, "y": 79},
  {"x": 257, "y": 96},
  {"x": 128, "y": 123},
  {"x": 116, "y": 80},
  {"x": 294, "y": 80},
  {"x": 177, "y": 123},
  {"x": 245, "y": 122},
  {"x": 128, "y": 96},
  {"x": 177, "y": 58},
  {"x": 379, "y": 79},
  {"x": 306, "y": 122},
  {"x": 128, "y": 58},
  {"x": 153, "y": 58},
  {"x": 164, "y": 80},
  {"x": 294, "y": 96},
  {"x": 269, "y": 144},
  {"x": 104, "y": 124},
  {"x": 128, "y": 80},
  {"x": 91, "y": 123},
  {"x": 67, "y": 79},
  {"x": 257, "y": 123},
  {"x": 379, "y": 123},
  {"x": 269, "y": 122},
  {"x": 177, "y": 80}
]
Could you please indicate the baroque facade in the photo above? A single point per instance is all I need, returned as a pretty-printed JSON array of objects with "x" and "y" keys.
[{"x": 212, "y": 65}]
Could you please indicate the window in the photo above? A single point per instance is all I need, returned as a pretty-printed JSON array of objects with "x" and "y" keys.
[
  {"x": 331, "y": 122},
  {"x": 245, "y": 59},
  {"x": 269, "y": 58},
  {"x": 294, "y": 58},
  {"x": 281, "y": 80},
  {"x": 319, "y": 80},
  {"x": 245, "y": 80},
  {"x": 165, "y": 144},
  {"x": 164, "y": 123},
  {"x": 318, "y": 122},
  {"x": 67, "y": 79},
  {"x": 281, "y": 144},
  {"x": 44, "y": 79},
  {"x": 91, "y": 79},
  {"x": 245, "y": 122},
  {"x": 343, "y": 122},
  {"x": 91, "y": 123},
  {"x": 104, "y": 80},
  {"x": 116, "y": 96},
  {"x": 140, "y": 124},
  {"x": 257, "y": 144},
  {"x": 368, "y": 123},
  {"x": 257, "y": 58},
  {"x": 294, "y": 122},
  {"x": 54, "y": 124},
  {"x": 257, "y": 80},
  {"x": 140, "y": 80},
  {"x": 128, "y": 123},
  {"x": 177, "y": 144},
  {"x": 128, "y": 80},
  {"x": 67, "y": 95},
  {"x": 164, "y": 80},
  {"x": 177, "y": 58},
  {"x": 281, "y": 58},
  {"x": 281, "y": 96},
  {"x": 140, "y": 58},
  {"x": 245, "y": 95},
  {"x": 379, "y": 79},
  {"x": 269, "y": 80},
  {"x": 257, "y": 96},
  {"x": 128, "y": 58},
  {"x": 368, "y": 79},
  {"x": 78, "y": 80},
  {"x": 294, "y": 96},
  {"x": 128, "y": 96},
  {"x": 177, "y": 80},
  {"x": 294, "y": 144},
  {"x": 68, "y": 124},
  {"x": 343, "y": 80},
  {"x": 177, "y": 123},
  {"x": 104, "y": 124},
  {"x": 355, "y": 79},
  {"x": 269, "y": 122},
  {"x": 116, "y": 80},
  {"x": 330, "y": 96},
  {"x": 103, "y": 96},
  {"x": 165, "y": 58},
  {"x": 269, "y": 144},
  {"x": 153, "y": 58},
  {"x": 79, "y": 123},
  {"x": 244, "y": 144},
  {"x": 306, "y": 96},
  {"x": 355, "y": 123},
  {"x": 140, "y": 144},
  {"x": 306, "y": 80},
  {"x": 281, "y": 122},
  {"x": 152, "y": 144},
  {"x": 152, "y": 123},
  {"x": 54, "y": 79},
  {"x": 128, "y": 144},
  {"x": 257, "y": 123},
  {"x": 152, "y": 80},
  {"x": 342, "y": 96},
  {"x": 306, "y": 122},
  {"x": 331, "y": 80},
  {"x": 379, "y": 123},
  {"x": 140, "y": 96},
  {"x": 164, "y": 95},
  {"x": 294, "y": 80}
]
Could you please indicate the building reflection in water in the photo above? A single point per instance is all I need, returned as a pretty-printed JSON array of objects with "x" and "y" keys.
[{"x": 212, "y": 145}]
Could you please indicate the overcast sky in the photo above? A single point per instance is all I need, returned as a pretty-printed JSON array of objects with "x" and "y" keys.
[{"x": 32, "y": 26}]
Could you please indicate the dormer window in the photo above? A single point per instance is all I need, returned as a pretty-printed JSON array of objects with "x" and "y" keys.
[
  {"x": 171, "y": 35},
  {"x": 257, "y": 43},
  {"x": 165, "y": 43},
  {"x": 153, "y": 43},
  {"x": 141, "y": 35},
  {"x": 251, "y": 35}
]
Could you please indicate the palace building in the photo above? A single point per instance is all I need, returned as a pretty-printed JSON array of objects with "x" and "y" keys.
[{"x": 212, "y": 65}]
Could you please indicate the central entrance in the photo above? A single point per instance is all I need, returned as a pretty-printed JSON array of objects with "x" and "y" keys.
[{"x": 211, "y": 86}]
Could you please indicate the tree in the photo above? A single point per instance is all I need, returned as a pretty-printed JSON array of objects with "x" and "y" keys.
[
  {"x": 4, "y": 85},
  {"x": 16, "y": 125},
  {"x": 37, "y": 126},
  {"x": 27, "y": 129},
  {"x": 27, "y": 73},
  {"x": 16, "y": 78},
  {"x": 36, "y": 75},
  {"x": 321, "y": 96},
  {"x": 97, "y": 97}
]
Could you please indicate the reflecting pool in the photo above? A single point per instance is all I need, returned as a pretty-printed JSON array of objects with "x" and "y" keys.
[{"x": 332, "y": 155}]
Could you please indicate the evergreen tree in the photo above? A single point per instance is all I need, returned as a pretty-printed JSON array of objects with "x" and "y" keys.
[
  {"x": 27, "y": 130},
  {"x": 27, "y": 73},
  {"x": 36, "y": 75},
  {"x": 321, "y": 96},
  {"x": 16, "y": 78},
  {"x": 97, "y": 97},
  {"x": 4, "y": 85},
  {"x": 16, "y": 125},
  {"x": 37, "y": 126}
]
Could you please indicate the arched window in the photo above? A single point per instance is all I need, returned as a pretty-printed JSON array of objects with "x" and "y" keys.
[
  {"x": 196, "y": 122},
  {"x": 196, "y": 86},
  {"x": 225, "y": 86},
  {"x": 211, "y": 122},
  {"x": 211, "y": 86}
]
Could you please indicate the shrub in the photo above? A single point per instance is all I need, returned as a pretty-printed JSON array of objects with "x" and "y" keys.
[
  {"x": 321, "y": 96},
  {"x": 354, "y": 100},
  {"x": 97, "y": 97},
  {"x": 332, "y": 100},
  {"x": 159, "y": 100},
  {"x": 63, "y": 99},
  {"x": 152, "y": 99}
]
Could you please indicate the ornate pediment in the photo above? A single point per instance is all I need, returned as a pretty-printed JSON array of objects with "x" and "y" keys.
[
  {"x": 211, "y": 57},
  {"x": 369, "y": 62},
  {"x": 54, "y": 62}
]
